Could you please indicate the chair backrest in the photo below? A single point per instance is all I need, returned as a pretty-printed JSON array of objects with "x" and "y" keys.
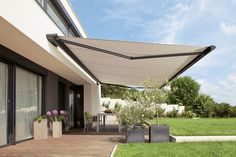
[{"x": 88, "y": 118}]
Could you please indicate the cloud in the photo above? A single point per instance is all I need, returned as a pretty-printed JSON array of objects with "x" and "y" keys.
[
  {"x": 157, "y": 21},
  {"x": 227, "y": 28},
  {"x": 174, "y": 23},
  {"x": 234, "y": 1},
  {"x": 124, "y": 2},
  {"x": 222, "y": 90}
]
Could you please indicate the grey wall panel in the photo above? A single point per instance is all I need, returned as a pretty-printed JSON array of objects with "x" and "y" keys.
[{"x": 51, "y": 91}]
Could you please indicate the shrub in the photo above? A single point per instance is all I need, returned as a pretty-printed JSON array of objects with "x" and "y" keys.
[
  {"x": 233, "y": 111},
  {"x": 173, "y": 113},
  {"x": 107, "y": 105},
  {"x": 189, "y": 114},
  {"x": 149, "y": 114},
  {"x": 204, "y": 105},
  {"x": 132, "y": 114},
  {"x": 161, "y": 112},
  {"x": 222, "y": 110},
  {"x": 117, "y": 107}
]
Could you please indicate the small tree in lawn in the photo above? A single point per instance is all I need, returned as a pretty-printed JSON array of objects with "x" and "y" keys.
[{"x": 152, "y": 96}]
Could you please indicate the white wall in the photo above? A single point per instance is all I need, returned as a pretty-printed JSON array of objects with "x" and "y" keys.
[
  {"x": 23, "y": 29},
  {"x": 165, "y": 106},
  {"x": 112, "y": 102},
  {"x": 31, "y": 20},
  {"x": 87, "y": 98},
  {"x": 92, "y": 96}
]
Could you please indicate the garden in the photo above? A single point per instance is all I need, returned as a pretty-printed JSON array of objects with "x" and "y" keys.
[
  {"x": 202, "y": 117},
  {"x": 200, "y": 126}
]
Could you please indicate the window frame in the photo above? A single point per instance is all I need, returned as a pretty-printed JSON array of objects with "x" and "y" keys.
[
  {"x": 69, "y": 27},
  {"x": 14, "y": 60}
]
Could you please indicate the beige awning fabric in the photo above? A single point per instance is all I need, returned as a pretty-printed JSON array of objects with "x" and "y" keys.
[{"x": 130, "y": 63}]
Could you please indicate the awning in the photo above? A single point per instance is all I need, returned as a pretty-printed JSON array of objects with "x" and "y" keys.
[{"x": 130, "y": 63}]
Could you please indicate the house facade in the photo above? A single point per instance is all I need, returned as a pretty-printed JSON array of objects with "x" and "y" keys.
[
  {"x": 47, "y": 62},
  {"x": 36, "y": 76}
]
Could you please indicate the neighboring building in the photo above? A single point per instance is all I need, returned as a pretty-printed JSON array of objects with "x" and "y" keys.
[
  {"x": 41, "y": 72},
  {"x": 35, "y": 76}
]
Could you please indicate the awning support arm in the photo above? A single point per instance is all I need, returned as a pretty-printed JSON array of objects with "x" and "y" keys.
[
  {"x": 53, "y": 38},
  {"x": 204, "y": 53}
]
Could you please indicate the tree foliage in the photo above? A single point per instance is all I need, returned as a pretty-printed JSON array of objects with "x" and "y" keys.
[
  {"x": 222, "y": 110},
  {"x": 204, "y": 106},
  {"x": 118, "y": 92},
  {"x": 152, "y": 96},
  {"x": 184, "y": 90},
  {"x": 233, "y": 111}
]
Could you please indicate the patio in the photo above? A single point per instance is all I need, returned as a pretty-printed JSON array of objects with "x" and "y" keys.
[{"x": 73, "y": 144}]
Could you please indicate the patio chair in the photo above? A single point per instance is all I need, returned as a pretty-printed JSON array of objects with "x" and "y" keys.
[{"x": 88, "y": 121}]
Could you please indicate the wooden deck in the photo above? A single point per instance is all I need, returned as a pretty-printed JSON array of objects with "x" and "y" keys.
[{"x": 73, "y": 144}]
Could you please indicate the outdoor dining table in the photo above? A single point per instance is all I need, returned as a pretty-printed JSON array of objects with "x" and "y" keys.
[{"x": 102, "y": 116}]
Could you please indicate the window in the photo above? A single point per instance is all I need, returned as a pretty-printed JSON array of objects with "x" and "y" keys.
[
  {"x": 55, "y": 15},
  {"x": 3, "y": 103},
  {"x": 28, "y": 101}
]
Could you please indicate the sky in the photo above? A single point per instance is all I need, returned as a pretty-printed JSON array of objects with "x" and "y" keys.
[{"x": 190, "y": 22}]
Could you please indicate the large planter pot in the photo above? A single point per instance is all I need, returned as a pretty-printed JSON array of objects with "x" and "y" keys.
[
  {"x": 40, "y": 129},
  {"x": 135, "y": 134},
  {"x": 56, "y": 129},
  {"x": 159, "y": 133}
]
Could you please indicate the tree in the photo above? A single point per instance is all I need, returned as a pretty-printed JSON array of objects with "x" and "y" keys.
[
  {"x": 184, "y": 90},
  {"x": 204, "y": 105},
  {"x": 152, "y": 96}
]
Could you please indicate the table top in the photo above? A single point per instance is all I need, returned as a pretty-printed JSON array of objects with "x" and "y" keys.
[{"x": 103, "y": 113}]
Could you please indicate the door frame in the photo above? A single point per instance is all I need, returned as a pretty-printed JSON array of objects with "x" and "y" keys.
[{"x": 78, "y": 114}]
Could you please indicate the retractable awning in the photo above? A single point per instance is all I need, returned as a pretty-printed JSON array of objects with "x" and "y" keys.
[{"x": 129, "y": 63}]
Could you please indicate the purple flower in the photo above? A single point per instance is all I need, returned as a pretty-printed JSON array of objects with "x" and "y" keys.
[
  {"x": 55, "y": 112},
  {"x": 62, "y": 112},
  {"x": 65, "y": 113},
  {"x": 48, "y": 113}
]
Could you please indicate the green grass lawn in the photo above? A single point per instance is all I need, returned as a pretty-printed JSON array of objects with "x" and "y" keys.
[
  {"x": 202, "y": 126},
  {"x": 195, "y": 149}
]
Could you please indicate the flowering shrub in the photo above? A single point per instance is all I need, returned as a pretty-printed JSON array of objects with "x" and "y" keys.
[{"x": 55, "y": 116}]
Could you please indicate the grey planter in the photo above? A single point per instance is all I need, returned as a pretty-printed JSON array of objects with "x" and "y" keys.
[
  {"x": 135, "y": 135},
  {"x": 159, "y": 133}
]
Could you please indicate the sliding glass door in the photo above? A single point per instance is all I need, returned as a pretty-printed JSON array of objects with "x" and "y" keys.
[
  {"x": 28, "y": 102},
  {"x": 3, "y": 103}
]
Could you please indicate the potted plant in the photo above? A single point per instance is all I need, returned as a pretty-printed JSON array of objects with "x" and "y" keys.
[
  {"x": 56, "y": 118},
  {"x": 40, "y": 128},
  {"x": 132, "y": 117},
  {"x": 107, "y": 106},
  {"x": 152, "y": 97}
]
